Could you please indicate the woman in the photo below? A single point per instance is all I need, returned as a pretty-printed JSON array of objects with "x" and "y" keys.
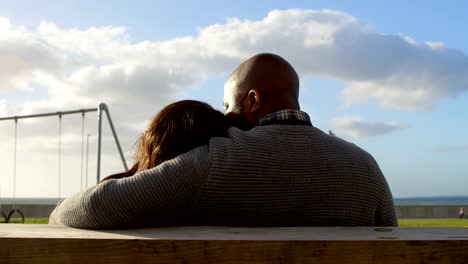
[{"x": 178, "y": 128}]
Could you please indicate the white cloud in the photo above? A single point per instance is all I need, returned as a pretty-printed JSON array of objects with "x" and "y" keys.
[
  {"x": 102, "y": 62},
  {"x": 22, "y": 53},
  {"x": 4, "y": 108},
  {"x": 355, "y": 127}
]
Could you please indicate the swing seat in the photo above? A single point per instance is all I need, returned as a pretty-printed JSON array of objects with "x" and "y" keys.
[
  {"x": 11, "y": 213},
  {"x": 4, "y": 216}
]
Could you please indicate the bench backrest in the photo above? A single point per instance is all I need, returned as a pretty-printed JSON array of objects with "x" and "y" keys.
[{"x": 57, "y": 244}]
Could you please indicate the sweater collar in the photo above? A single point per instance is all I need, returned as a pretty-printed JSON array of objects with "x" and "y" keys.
[{"x": 285, "y": 117}]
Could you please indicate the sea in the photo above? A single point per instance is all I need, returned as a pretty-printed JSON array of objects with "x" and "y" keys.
[{"x": 441, "y": 200}]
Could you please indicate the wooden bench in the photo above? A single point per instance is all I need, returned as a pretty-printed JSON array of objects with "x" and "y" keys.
[{"x": 56, "y": 244}]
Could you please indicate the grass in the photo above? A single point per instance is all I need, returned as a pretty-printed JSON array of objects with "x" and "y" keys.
[
  {"x": 31, "y": 220},
  {"x": 433, "y": 222},
  {"x": 402, "y": 222}
]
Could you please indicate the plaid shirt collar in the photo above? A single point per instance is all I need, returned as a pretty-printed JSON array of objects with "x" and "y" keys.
[{"x": 285, "y": 117}]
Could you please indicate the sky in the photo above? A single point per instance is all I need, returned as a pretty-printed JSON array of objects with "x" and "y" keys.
[{"x": 389, "y": 76}]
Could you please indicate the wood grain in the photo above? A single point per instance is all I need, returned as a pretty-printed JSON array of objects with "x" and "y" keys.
[{"x": 56, "y": 244}]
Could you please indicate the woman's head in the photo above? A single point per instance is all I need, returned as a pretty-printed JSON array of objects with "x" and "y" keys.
[{"x": 176, "y": 129}]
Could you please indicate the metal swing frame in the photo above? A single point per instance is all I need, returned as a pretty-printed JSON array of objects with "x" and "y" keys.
[{"x": 101, "y": 109}]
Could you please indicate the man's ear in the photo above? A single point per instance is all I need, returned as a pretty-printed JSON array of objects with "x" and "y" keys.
[{"x": 253, "y": 99}]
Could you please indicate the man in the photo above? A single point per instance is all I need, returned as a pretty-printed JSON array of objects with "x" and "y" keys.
[{"x": 278, "y": 170}]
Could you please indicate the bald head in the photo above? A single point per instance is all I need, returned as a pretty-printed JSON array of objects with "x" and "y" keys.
[{"x": 263, "y": 84}]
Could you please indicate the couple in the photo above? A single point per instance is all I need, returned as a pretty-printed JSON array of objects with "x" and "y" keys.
[{"x": 263, "y": 164}]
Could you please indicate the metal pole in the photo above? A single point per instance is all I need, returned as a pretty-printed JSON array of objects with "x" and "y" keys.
[
  {"x": 14, "y": 164},
  {"x": 60, "y": 158},
  {"x": 98, "y": 174},
  {"x": 87, "y": 158},
  {"x": 115, "y": 137},
  {"x": 50, "y": 114},
  {"x": 82, "y": 149}
]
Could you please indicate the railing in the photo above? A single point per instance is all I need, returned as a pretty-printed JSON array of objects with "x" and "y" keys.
[{"x": 57, "y": 244}]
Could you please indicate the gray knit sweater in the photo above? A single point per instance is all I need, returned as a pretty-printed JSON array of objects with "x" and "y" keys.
[{"x": 276, "y": 175}]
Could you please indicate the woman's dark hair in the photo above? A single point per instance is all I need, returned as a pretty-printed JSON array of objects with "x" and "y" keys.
[{"x": 176, "y": 129}]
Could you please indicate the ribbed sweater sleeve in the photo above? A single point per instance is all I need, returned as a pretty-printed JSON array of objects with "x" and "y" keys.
[
  {"x": 160, "y": 196},
  {"x": 385, "y": 213}
]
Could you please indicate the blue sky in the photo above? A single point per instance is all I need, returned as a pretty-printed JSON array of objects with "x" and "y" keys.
[
  {"x": 435, "y": 20},
  {"x": 420, "y": 144}
]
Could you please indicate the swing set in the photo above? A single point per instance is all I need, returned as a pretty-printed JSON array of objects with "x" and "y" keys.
[{"x": 101, "y": 109}]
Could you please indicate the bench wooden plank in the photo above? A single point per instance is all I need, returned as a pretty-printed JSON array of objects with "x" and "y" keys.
[
  {"x": 238, "y": 233},
  {"x": 57, "y": 244}
]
